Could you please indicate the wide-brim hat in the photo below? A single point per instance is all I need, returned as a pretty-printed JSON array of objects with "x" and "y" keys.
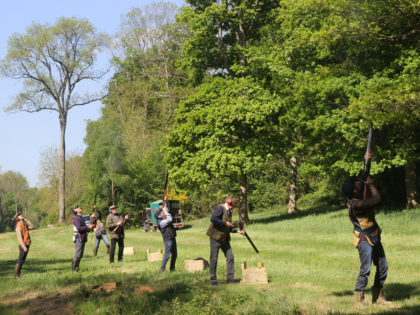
[{"x": 113, "y": 207}]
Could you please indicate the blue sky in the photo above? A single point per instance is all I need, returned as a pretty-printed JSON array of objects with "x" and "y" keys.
[{"x": 24, "y": 136}]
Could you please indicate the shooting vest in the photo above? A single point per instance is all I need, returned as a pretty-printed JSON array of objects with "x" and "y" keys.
[
  {"x": 365, "y": 226},
  {"x": 111, "y": 223},
  {"x": 25, "y": 232},
  {"x": 82, "y": 236},
  {"x": 221, "y": 233}
]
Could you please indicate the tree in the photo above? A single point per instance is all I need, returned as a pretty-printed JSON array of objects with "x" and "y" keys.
[
  {"x": 16, "y": 184},
  {"x": 52, "y": 61},
  {"x": 227, "y": 129}
]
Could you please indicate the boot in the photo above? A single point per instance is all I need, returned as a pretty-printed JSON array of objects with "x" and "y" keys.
[
  {"x": 107, "y": 250},
  {"x": 94, "y": 253},
  {"x": 18, "y": 267},
  {"x": 359, "y": 299},
  {"x": 76, "y": 265},
  {"x": 378, "y": 298}
]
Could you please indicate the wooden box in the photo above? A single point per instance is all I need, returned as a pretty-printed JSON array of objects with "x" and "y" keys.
[
  {"x": 151, "y": 257},
  {"x": 254, "y": 275},
  {"x": 111, "y": 286},
  {"x": 143, "y": 289},
  {"x": 128, "y": 251},
  {"x": 194, "y": 265}
]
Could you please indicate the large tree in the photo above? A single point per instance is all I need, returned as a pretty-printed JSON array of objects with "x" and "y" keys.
[
  {"x": 53, "y": 61},
  {"x": 227, "y": 129}
]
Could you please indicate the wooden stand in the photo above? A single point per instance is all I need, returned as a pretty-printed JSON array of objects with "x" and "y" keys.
[
  {"x": 142, "y": 289},
  {"x": 111, "y": 286},
  {"x": 254, "y": 275},
  {"x": 194, "y": 265},
  {"x": 151, "y": 257},
  {"x": 128, "y": 251}
]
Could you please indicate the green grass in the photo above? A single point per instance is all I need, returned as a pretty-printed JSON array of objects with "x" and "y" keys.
[{"x": 311, "y": 262}]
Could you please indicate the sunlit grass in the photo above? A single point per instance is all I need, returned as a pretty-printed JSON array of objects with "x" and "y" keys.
[{"x": 310, "y": 259}]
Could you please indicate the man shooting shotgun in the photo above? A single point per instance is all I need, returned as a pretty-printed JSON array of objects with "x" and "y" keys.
[
  {"x": 361, "y": 199},
  {"x": 115, "y": 224},
  {"x": 219, "y": 232}
]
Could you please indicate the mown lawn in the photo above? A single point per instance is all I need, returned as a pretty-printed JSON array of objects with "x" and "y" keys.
[{"x": 310, "y": 259}]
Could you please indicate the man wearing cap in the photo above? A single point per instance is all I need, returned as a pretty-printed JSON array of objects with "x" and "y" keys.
[
  {"x": 367, "y": 239},
  {"x": 219, "y": 232},
  {"x": 80, "y": 237},
  {"x": 114, "y": 222},
  {"x": 24, "y": 240}
]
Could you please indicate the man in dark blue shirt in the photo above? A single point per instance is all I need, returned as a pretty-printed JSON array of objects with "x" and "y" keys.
[
  {"x": 219, "y": 232},
  {"x": 80, "y": 237}
]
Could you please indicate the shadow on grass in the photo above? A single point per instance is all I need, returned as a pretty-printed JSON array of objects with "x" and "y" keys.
[
  {"x": 33, "y": 265},
  {"x": 393, "y": 291},
  {"x": 299, "y": 214}
]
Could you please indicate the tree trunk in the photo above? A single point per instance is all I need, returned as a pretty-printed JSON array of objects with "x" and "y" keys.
[
  {"x": 411, "y": 185},
  {"x": 62, "y": 173},
  {"x": 293, "y": 182},
  {"x": 243, "y": 202}
]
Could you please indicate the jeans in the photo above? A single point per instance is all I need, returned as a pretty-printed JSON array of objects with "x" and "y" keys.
[
  {"x": 22, "y": 255},
  {"x": 114, "y": 242},
  {"x": 170, "y": 250},
  {"x": 367, "y": 254},
  {"x": 214, "y": 254},
  {"x": 79, "y": 247},
  {"x": 98, "y": 240}
]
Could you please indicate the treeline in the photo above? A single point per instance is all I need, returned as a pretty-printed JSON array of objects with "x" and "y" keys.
[{"x": 267, "y": 100}]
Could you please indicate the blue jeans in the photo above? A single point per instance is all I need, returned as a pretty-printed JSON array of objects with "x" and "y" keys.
[
  {"x": 170, "y": 250},
  {"x": 98, "y": 240},
  {"x": 367, "y": 255}
]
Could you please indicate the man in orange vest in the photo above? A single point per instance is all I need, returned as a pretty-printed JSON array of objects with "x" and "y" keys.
[{"x": 24, "y": 240}]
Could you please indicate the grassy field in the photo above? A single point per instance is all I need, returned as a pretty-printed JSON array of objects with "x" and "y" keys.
[{"x": 310, "y": 259}]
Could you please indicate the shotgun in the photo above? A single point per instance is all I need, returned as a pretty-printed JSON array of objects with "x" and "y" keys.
[
  {"x": 123, "y": 221},
  {"x": 241, "y": 227}
]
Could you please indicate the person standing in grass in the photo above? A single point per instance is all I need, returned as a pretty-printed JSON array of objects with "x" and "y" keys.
[
  {"x": 100, "y": 233},
  {"x": 79, "y": 238},
  {"x": 219, "y": 232},
  {"x": 24, "y": 240},
  {"x": 367, "y": 239},
  {"x": 165, "y": 226},
  {"x": 114, "y": 222}
]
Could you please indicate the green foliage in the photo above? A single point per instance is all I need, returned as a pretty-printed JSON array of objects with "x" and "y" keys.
[{"x": 224, "y": 129}]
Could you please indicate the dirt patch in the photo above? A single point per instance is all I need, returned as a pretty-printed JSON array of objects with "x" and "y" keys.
[
  {"x": 50, "y": 305},
  {"x": 31, "y": 303}
]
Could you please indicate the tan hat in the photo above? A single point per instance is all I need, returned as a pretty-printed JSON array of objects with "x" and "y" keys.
[{"x": 113, "y": 207}]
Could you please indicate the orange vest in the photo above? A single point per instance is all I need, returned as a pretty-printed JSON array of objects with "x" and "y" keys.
[{"x": 25, "y": 232}]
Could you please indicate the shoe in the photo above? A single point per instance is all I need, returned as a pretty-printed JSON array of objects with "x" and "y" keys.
[
  {"x": 377, "y": 297},
  {"x": 359, "y": 299},
  {"x": 213, "y": 283}
]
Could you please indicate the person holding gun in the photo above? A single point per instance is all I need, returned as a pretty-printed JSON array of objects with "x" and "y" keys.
[
  {"x": 100, "y": 232},
  {"x": 80, "y": 237},
  {"x": 367, "y": 239},
  {"x": 219, "y": 232},
  {"x": 165, "y": 226},
  {"x": 24, "y": 240},
  {"x": 115, "y": 224}
]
